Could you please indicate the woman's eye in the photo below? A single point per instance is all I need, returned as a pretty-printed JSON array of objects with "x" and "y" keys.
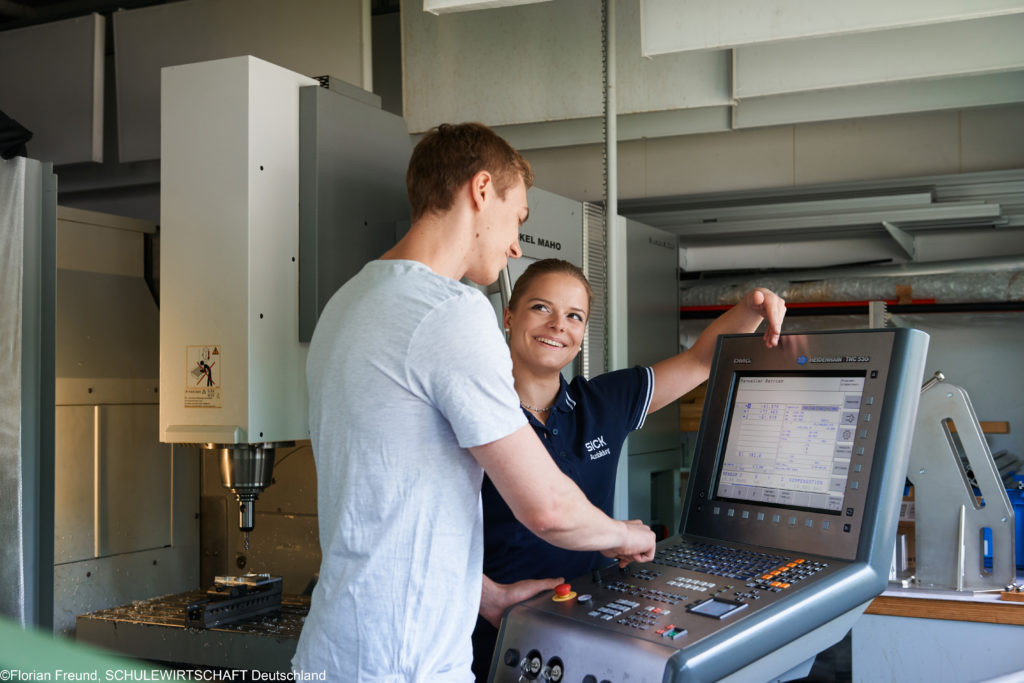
[
  {"x": 539, "y": 307},
  {"x": 576, "y": 316}
]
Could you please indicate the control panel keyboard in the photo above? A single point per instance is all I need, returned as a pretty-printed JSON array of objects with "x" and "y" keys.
[
  {"x": 689, "y": 592},
  {"x": 762, "y": 570}
]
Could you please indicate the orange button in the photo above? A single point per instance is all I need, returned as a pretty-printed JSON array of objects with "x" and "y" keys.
[
  {"x": 562, "y": 589},
  {"x": 783, "y": 585}
]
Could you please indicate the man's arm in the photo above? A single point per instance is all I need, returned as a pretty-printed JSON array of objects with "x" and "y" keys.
[
  {"x": 677, "y": 375},
  {"x": 496, "y": 597},
  {"x": 550, "y": 504}
]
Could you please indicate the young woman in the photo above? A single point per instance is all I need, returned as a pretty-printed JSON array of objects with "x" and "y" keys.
[{"x": 582, "y": 423}]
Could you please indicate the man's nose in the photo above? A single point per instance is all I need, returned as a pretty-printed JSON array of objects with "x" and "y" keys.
[{"x": 515, "y": 251}]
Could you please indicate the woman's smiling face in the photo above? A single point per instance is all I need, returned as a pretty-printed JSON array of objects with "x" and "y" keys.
[{"x": 547, "y": 326}]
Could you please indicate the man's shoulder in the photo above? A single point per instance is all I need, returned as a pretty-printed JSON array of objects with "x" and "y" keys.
[{"x": 412, "y": 280}]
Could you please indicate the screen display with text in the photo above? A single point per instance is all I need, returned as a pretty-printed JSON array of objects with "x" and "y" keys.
[{"x": 790, "y": 440}]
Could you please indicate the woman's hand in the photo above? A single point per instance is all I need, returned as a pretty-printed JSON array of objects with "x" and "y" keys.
[{"x": 772, "y": 308}]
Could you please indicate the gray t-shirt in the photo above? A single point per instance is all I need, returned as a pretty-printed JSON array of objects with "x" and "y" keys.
[{"x": 406, "y": 370}]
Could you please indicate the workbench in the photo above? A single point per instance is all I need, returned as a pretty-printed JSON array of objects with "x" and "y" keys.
[{"x": 910, "y": 634}]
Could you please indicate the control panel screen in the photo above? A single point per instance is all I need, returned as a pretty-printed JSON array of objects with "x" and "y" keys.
[{"x": 789, "y": 439}]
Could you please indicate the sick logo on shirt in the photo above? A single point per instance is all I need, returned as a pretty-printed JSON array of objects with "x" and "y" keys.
[{"x": 597, "y": 448}]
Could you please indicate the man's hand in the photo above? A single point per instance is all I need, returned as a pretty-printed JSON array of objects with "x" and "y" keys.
[
  {"x": 638, "y": 545},
  {"x": 495, "y": 598},
  {"x": 772, "y": 308}
]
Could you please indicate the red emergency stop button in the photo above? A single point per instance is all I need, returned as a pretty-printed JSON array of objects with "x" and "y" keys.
[{"x": 563, "y": 592}]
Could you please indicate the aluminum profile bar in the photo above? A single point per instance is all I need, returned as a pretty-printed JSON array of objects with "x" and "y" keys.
[
  {"x": 902, "y": 238},
  {"x": 674, "y": 212},
  {"x": 952, "y": 215}
]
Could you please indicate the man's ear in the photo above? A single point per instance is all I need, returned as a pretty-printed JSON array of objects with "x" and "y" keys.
[{"x": 481, "y": 187}]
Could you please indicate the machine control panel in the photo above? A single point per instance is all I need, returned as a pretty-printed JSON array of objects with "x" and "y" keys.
[{"x": 788, "y": 523}]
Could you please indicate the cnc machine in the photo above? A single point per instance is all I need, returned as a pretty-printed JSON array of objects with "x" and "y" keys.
[
  {"x": 267, "y": 178},
  {"x": 786, "y": 536},
  {"x": 275, "y": 188}
]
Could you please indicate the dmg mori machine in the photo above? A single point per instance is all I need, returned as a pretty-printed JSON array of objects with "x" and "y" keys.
[{"x": 786, "y": 535}]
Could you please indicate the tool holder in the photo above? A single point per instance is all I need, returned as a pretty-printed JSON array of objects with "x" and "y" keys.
[{"x": 950, "y": 517}]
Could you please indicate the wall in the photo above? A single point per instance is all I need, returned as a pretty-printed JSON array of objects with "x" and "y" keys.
[
  {"x": 933, "y": 143},
  {"x": 98, "y": 117}
]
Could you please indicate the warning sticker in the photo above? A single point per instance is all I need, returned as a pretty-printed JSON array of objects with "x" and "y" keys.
[{"x": 202, "y": 380}]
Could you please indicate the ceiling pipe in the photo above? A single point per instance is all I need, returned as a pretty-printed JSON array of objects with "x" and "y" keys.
[
  {"x": 967, "y": 281},
  {"x": 895, "y": 270}
]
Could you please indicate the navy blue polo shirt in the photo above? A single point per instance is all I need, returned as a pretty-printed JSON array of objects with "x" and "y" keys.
[{"x": 586, "y": 427}]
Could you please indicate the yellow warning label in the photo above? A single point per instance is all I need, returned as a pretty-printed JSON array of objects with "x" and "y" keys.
[{"x": 202, "y": 378}]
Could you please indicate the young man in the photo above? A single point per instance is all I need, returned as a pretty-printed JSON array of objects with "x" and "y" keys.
[{"x": 411, "y": 398}]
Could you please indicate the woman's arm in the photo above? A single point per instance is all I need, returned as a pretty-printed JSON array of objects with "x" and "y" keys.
[{"x": 677, "y": 375}]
